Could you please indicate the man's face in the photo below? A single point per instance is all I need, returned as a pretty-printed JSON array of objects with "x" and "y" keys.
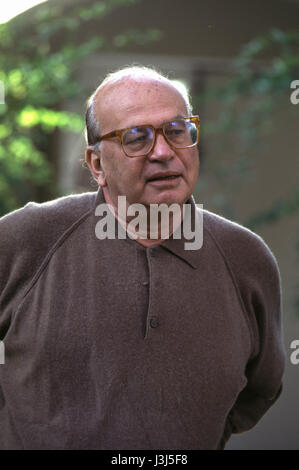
[{"x": 130, "y": 103}]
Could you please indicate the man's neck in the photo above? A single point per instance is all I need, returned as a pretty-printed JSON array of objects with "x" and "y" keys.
[{"x": 147, "y": 239}]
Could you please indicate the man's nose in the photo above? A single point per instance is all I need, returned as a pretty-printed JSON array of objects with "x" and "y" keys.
[{"x": 162, "y": 149}]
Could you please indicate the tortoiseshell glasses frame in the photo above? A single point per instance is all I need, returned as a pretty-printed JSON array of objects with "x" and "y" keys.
[{"x": 145, "y": 141}]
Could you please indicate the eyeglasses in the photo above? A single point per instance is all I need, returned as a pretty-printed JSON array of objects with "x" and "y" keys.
[{"x": 139, "y": 141}]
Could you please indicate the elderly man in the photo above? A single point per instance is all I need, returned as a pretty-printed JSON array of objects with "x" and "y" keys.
[{"x": 135, "y": 342}]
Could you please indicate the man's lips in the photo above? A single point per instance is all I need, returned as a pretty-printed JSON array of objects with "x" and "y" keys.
[{"x": 163, "y": 177}]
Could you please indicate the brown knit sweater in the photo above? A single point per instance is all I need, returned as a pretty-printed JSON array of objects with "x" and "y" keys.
[{"x": 111, "y": 345}]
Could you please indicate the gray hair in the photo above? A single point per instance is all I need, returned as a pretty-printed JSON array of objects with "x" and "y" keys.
[{"x": 92, "y": 131}]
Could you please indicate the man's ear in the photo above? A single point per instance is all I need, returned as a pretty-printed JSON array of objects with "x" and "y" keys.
[{"x": 93, "y": 160}]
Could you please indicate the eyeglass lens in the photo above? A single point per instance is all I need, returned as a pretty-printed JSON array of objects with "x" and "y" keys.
[{"x": 180, "y": 134}]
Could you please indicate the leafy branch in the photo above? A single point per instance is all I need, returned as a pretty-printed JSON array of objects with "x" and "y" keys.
[{"x": 40, "y": 53}]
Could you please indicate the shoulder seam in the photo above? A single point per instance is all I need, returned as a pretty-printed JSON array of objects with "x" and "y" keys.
[{"x": 49, "y": 255}]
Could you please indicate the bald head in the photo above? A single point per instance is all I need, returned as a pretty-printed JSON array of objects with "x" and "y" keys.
[
  {"x": 131, "y": 99},
  {"x": 126, "y": 83}
]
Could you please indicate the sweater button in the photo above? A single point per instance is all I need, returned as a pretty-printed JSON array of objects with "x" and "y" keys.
[
  {"x": 152, "y": 252},
  {"x": 145, "y": 283},
  {"x": 154, "y": 323}
]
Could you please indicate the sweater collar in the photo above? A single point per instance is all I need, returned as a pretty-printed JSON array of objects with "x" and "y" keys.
[{"x": 178, "y": 246}]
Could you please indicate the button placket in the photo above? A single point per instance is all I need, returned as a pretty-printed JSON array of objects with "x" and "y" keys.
[
  {"x": 142, "y": 288},
  {"x": 153, "y": 321}
]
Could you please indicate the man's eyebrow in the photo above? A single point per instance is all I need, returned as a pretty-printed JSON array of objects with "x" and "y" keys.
[{"x": 178, "y": 116}]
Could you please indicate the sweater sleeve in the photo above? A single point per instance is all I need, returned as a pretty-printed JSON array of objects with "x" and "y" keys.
[
  {"x": 26, "y": 236},
  {"x": 21, "y": 251},
  {"x": 263, "y": 303},
  {"x": 256, "y": 275}
]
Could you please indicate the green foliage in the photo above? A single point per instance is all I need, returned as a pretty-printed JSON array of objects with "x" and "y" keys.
[
  {"x": 262, "y": 75},
  {"x": 48, "y": 119},
  {"x": 261, "y": 78},
  {"x": 260, "y": 81},
  {"x": 39, "y": 56}
]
